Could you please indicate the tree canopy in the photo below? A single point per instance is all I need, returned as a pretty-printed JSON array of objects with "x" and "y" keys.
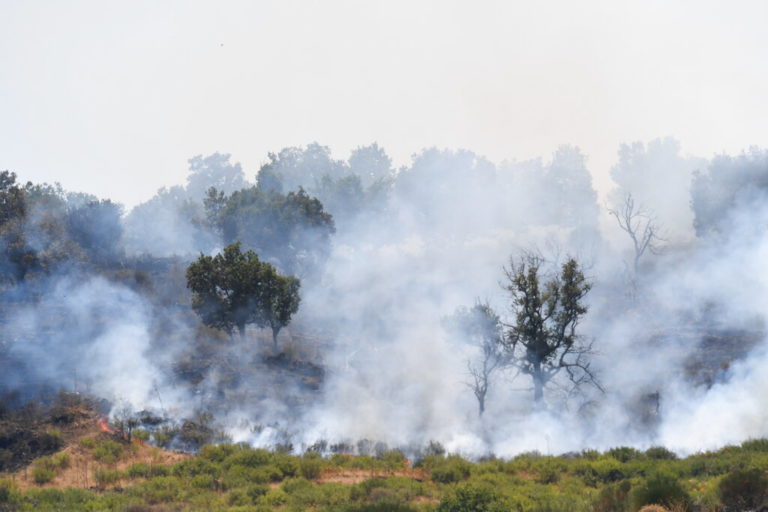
[
  {"x": 235, "y": 288},
  {"x": 543, "y": 340}
]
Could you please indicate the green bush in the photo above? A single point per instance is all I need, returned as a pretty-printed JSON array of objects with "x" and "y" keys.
[
  {"x": 310, "y": 468},
  {"x": 743, "y": 489},
  {"x": 451, "y": 469},
  {"x": 107, "y": 451},
  {"x": 660, "y": 488},
  {"x": 755, "y": 445},
  {"x": 660, "y": 453},
  {"x": 472, "y": 498},
  {"x": 87, "y": 442},
  {"x": 203, "y": 481},
  {"x": 105, "y": 477},
  {"x": 613, "y": 497},
  {"x": 42, "y": 474},
  {"x": 624, "y": 453}
]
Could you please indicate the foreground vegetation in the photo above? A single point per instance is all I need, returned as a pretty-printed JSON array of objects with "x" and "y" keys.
[{"x": 236, "y": 477}]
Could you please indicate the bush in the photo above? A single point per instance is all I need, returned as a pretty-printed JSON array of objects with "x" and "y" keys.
[
  {"x": 624, "y": 453},
  {"x": 107, "y": 451},
  {"x": 755, "y": 445},
  {"x": 660, "y": 488},
  {"x": 613, "y": 498},
  {"x": 472, "y": 498},
  {"x": 42, "y": 474},
  {"x": 310, "y": 468},
  {"x": 87, "y": 442},
  {"x": 450, "y": 469},
  {"x": 660, "y": 453},
  {"x": 743, "y": 489},
  {"x": 105, "y": 477}
]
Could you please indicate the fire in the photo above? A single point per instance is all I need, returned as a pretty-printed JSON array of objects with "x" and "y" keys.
[{"x": 103, "y": 424}]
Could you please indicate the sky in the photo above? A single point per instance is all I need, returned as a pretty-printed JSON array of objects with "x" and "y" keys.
[{"x": 112, "y": 98}]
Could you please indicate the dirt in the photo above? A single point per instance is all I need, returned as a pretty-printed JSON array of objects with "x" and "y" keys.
[{"x": 355, "y": 476}]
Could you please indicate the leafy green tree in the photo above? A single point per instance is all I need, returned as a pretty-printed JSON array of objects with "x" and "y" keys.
[
  {"x": 235, "y": 288},
  {"x": 291, "y": 230},
  {"x": 543, "y": 341}
]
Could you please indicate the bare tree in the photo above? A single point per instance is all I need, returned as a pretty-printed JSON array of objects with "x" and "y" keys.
[
  {"x": 641, "y": 227},
  {"x": 543, "y": 341},
  {"x": 482, "y": 327}
]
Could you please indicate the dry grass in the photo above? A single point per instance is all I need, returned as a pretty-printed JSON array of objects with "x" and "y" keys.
[{"x": 82, "y": 464}]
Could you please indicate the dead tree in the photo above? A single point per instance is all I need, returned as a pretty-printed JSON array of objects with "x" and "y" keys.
[
  {"x": 641, "y": 227},
  {"x": 481, "y": 326}
]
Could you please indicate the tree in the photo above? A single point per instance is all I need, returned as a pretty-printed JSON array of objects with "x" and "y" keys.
[
  {"x": 640, "y": 226},
  {"x": 234, "y": 289},
  {"x": 481, "y": 326},
  {"x": 291, "y": 230},
  {"x": 543, "y": 340},
  {"x": 213, "y": 171}
]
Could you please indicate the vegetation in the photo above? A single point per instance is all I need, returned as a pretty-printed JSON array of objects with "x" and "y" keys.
[
  {"x": 235, "y": 477},
  {"x": 234, "y": 289},
  {"x": 543, "y": 341}
]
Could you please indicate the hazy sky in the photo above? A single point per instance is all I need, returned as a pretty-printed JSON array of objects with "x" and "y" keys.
[{"x": 112, "y": 98}]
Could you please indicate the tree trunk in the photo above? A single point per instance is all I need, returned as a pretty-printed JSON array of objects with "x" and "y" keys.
[
  {"x": 481, "y": 405},
  {"x": 538, "y": 385},
  {"x": 274, "y": 336},
  {"x": 241, "y": 330}
]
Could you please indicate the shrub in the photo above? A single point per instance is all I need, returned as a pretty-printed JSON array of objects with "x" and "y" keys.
[
  {"x": 743, "y": 489},
  {"x": 105, "y": 477},
  {"x": 42, "y": 474},
  {"x": 107, "y": 451},
  {"x": 87, "y": 442},
  {"x": 660, "y": 488},
  {"x": 624, "y": 453},
  {"x": 310, "y": 468},
  {"x": 203, "y": 481},
  {"x": 450, "y": 469},
  {"x": 613, "y": 498},
  {"x": 138, "y": 470},
  {"x": 471, "y": 498},
  {"x": 141, "y": 435},
  {"x": 660, "y": 453},
  {"x": 755, "y": 445}
]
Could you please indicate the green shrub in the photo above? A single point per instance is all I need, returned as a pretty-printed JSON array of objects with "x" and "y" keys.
[
  {"x": 310, "y": 468},
  {"x": 42, "y": 474},
  {"x": 138, "y": 470},
  {"x": 248, "y": 458},
  {"x": 105, "y": 477},
  {"x": 87, "y": 442},
  {"x": 107, "y": 451},
  {"x": 624, "y": 453},
  {"x": 451, "y": 469},
  {"x": 755, "y": 445},
  {"x": 743, "y": 489},
  {"x": 661, "y": 488},
  {"x": 472, "y": 498},
  {"x": 141, "y": 435},
  {"x": 161, "y": 489},
  {"x": 238, "y": 497},
  {"x": 203, "y": 481},
  {"x": 660, "y": 453},
  {"x": 613, "y": 497},
  {"x": 256, "y": 491}
]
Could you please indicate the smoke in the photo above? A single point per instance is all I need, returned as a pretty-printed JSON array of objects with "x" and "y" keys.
[{"x": 679, "y": 344}]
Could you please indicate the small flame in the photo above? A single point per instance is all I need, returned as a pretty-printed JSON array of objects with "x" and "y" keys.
[{"x": 103, "y": 425}]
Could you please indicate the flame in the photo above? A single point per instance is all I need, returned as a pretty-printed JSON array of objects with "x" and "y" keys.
[{"x": 103, "y": 424}]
